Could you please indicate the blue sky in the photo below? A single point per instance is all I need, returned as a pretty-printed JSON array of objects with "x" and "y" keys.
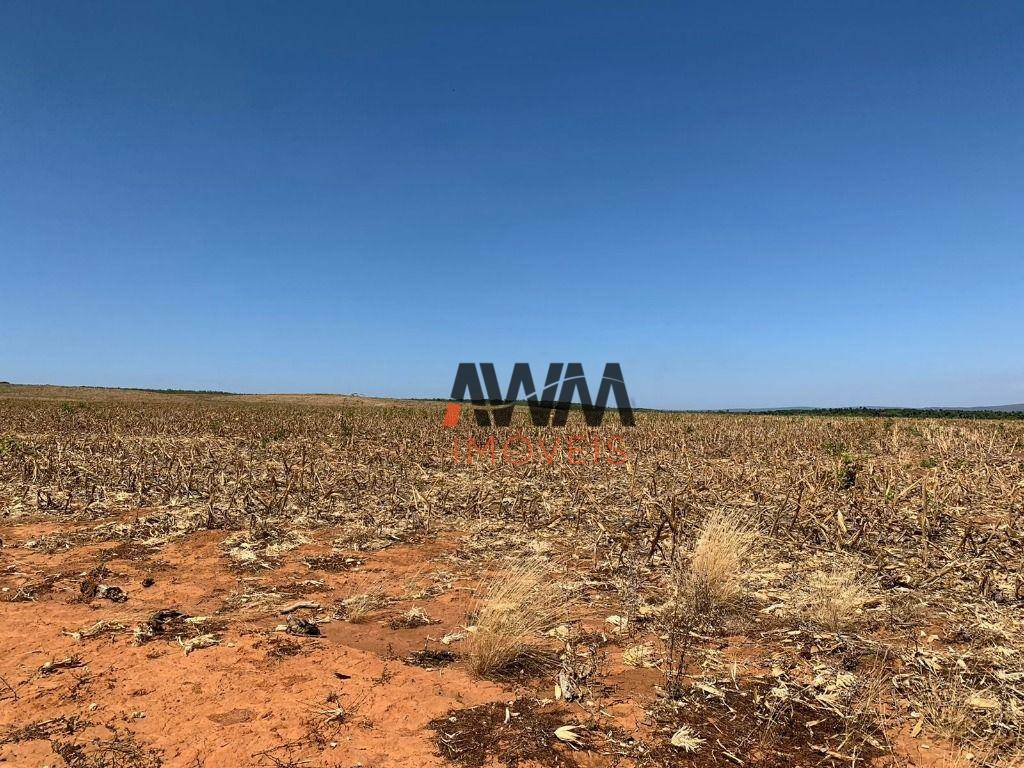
[{"x": 759, "y": 204}]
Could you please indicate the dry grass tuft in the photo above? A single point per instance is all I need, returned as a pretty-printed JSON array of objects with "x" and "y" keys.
[
  {"x": 986, "y": 721},
  {"x": 361, "y": 608},
  {"x": 836, "y": 599},
  {"x": 511, "y": 608},
  {"x": 702, "y": 584},
  {"x": 722, "y": 547}
]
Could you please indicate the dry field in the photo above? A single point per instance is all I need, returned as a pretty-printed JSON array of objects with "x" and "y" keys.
[{"x": 213, "y": 581}]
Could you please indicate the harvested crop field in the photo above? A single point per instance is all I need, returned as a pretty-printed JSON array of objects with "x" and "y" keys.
[{"x": 217, "y": 581}]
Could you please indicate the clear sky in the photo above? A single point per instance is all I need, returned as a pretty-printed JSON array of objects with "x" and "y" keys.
[{"x": 746, "y": 204}]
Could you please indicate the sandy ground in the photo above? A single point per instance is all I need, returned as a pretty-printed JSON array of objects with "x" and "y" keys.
[
  {"x": 261, "y": 696},
  {"x": 356, "y": 695}
]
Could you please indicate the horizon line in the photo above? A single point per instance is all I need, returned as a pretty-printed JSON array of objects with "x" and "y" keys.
[{"x": 1001, "y": 408}]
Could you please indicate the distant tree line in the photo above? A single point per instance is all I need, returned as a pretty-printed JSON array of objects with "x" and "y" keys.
[{"x": 915, "y": 413}]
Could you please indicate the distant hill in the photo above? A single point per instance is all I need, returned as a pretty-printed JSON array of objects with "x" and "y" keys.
[{"x": 1012, "y": 408}]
